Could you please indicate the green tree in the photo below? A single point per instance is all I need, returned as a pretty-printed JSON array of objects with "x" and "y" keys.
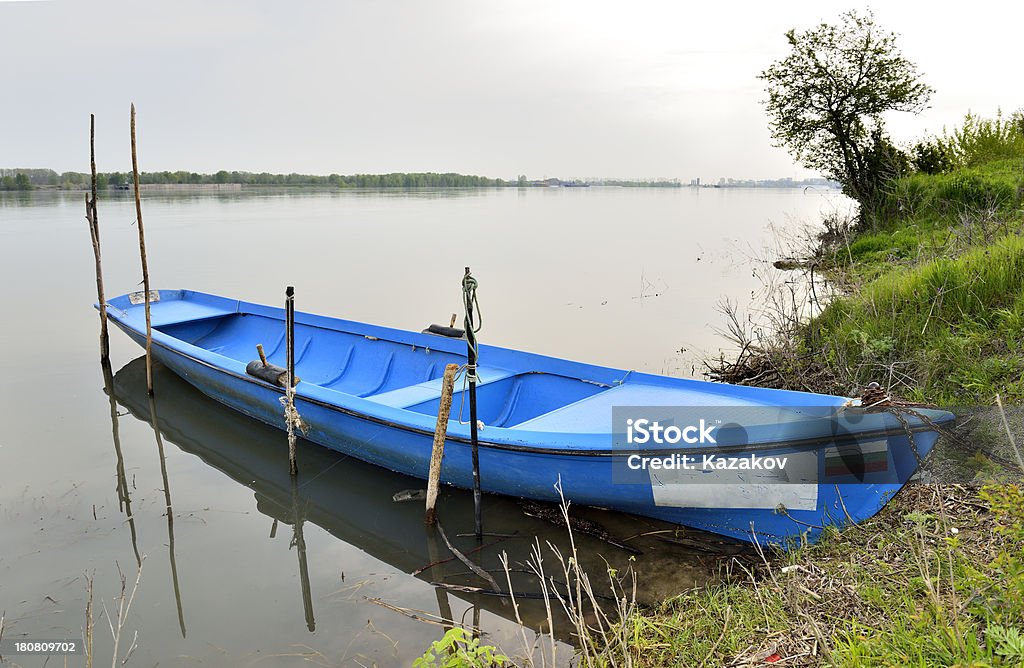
[
  {"x": 826, "y": 100},
  {"x": 72, "y": 179},
  {"x": 21, "y": 181}
]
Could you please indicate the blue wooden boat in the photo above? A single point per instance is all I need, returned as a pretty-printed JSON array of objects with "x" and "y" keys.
[{"x": 373, "y": 392}]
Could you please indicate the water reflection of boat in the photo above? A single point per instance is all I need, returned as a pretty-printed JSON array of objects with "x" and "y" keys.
[{"x": 353, "y": 501}]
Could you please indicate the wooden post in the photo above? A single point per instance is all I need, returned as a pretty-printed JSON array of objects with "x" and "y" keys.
[
  {"x": 289, "y": 390},
  {"x": 94, "y": 232},
  {"x": 145, "y": 267},
  {"x": 263, "y": 355},
  {"x": 469, "y": 297},
  {"x": 440, "y": 431}
]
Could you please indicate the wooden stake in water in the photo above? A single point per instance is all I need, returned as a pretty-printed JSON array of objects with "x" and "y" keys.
[
  {"x": 94, "y": 232},
  {"x": 142, "y": 253},
  {"x": 289, "y": 391},
  {"x": 440, "y": 431}
]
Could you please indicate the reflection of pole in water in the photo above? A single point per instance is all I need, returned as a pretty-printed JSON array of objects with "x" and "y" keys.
[
  {"x": 170, "y": 514},
  {"x": 443, "y": 604},
  {"x": 123, "y": 499},
  {"x": 299, "y": 541}
]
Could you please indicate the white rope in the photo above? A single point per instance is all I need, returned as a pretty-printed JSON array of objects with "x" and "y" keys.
[
  {"x": 292, "y": 420},
  {"x": 463, "y": 371}
]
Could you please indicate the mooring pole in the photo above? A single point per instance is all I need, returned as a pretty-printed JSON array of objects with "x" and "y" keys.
[
  {"x": 469, "y": 299},
  {"x": 289, "y": 391},
  {"x": 94, "y": 232},
  {"x": 289, "y": 314},
  {"x": 440, "y": 431},
  {"x": 145, "y": 268}
]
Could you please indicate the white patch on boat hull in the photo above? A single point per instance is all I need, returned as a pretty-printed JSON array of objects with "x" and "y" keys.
[{"x": 795, "y": 487}]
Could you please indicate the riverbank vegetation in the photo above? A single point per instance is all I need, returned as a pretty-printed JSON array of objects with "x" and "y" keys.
[
  {"x": 11, "y": 179},
  {"x": 47, "y": 178},
  {"x": 924, "y": 287},
  {"x": 30, "y": 179},
  {"x": 936, "y": 579},
  {"x": 927, "y": 293}
]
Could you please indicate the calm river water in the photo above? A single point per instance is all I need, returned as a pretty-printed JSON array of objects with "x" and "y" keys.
[{"x": 241, "y": 567}]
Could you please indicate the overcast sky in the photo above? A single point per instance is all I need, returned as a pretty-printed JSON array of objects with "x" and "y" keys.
[{"x": 553, "y": 88}]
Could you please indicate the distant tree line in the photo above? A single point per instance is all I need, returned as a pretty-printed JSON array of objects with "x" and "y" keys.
[
  {"x": 27, "y": 179},
  {"x": 777, "y": 183},
  {"x": 16, "y": 182},
  {"x": 674, "y": 183},
  {"x": 393, "y": 180}
]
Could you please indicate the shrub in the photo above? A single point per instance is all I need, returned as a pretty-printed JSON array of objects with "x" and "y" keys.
[
  {"x": 458, "y": 649},
  {"x": 981, "y": 140},
  {"x": 932, "y": 156}
]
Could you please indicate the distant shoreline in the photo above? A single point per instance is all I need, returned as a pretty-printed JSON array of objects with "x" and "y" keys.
[
  {"x": 242, "y": 187},
  {"x": 23, "y": 180}
]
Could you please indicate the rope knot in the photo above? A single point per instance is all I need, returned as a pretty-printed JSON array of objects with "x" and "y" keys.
[{"x": 293, "y": 421}]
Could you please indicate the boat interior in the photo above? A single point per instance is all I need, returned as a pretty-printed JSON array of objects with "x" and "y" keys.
[{"x": 391, "y": 373}]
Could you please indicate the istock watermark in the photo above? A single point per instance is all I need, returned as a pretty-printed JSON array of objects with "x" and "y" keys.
[
  {"x": 643, "y": 430},
  {"x": 676, "y": 446},
  {"x": 750, "y": 450},
  {"x": 707, "y": 462}
]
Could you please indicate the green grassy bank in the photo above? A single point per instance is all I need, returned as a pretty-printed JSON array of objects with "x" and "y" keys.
[
  {"x": 928, "y": 294},
  {"x": 935, "y": 295}
]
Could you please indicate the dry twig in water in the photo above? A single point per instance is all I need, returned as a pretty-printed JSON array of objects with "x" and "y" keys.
[{"x": 124, "y": 605}]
